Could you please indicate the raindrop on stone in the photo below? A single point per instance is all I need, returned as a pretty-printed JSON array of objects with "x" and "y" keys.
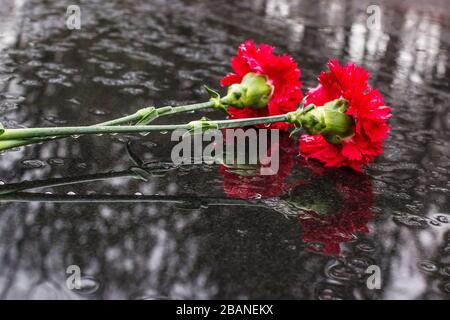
[
  {"x": 446, "y": 287},
  {"x": 82, "y": 165},
  {"x": 427, "y": 266},
  {"x": 88, "y": 285},
  {"x": 445, "y": 271},
  {"x": 33, "y": 164},
  {"x": 56, "y": 161},
  {"x": 328, "y": 294},
  {"x": 155, "y": 297},
  {"x": 411, "y": 221},
  {"x": 366, "y": 247}
]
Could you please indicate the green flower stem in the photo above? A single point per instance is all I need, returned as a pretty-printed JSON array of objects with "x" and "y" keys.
[
  {"x": 27, "y": 133},
  {"x": 130, "y": 119},
  {"x": 13, "y": 192},
  {"x": 56, "y": 182},
  {"x": 188, "y": 201},
  {"x": 142, "y": 173}
]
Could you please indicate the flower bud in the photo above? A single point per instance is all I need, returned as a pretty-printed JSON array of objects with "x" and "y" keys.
[
  {"x": 254, "y": 91},
  {"x": 330, "y": 120}
]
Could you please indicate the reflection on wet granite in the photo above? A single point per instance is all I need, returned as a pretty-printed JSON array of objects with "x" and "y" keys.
[{"x": 133, "y": 54}]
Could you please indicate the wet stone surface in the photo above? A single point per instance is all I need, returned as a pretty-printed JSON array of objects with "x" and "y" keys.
[{"x": 133, "y": 54}]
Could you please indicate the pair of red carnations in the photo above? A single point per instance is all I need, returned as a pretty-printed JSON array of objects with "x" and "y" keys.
[{"x": 350, "y": 82}]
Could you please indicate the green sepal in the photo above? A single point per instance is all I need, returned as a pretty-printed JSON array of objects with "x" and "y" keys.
[
  {"x": 307, "y": 108},
  {"x": 213, "y": 94},
  {"x": 293, "y": 132}
]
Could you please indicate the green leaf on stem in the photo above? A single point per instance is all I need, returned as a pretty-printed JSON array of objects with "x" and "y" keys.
[
  {"x": 141, "y": 173},
  {"x": 200, "y": 126},
  {"x": 133, "y": 156},
  {"x": 147, "y": 115}
]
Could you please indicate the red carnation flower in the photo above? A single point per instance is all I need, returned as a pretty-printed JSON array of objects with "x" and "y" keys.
[
  {"x": 282, "y": 73},
  {"x": 365, "y": 105},
  {"x": 326, "y": 232},
  {"x": 249, "y": 184}
]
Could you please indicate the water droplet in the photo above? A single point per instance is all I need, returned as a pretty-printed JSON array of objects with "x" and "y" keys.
[
  {"x": 328, "y": 294},
  {"x": 56, "y": 161},
  {"x": 434, "y": 223},
  {"x": 242, "y": 232},
  {"x": 97, "y": 112},
  {"x": 446, "y": 249},
  {"x": 144, "y": 133},
  {"x": 410, "y": 220},
  {"x": 150, "y": 295},
  {"x": 71, "y": 193},
  {"x": 33, "y": 164},
  {"x": 48, "y": 192},
  {"x": 360, "y": 264},
  {"x": 88, "y": 285},
  {"x": 445, "y": 271},
  {"x": 2, "y": 182},
  {"x": 316, "y": 246},
  {"x": 75, "y": 136},
  {"x": 342, "y": 273},
  {"x": 164, "y": 132},
  {"x": 256, "y": 196},
  {"x": 133, "y": 91},
  {"x": 138, "y": 193},
  {"x": 74, "y": 101},
  {"x": 365, "y": 246},
  {"x": 149, "y": 144},
  {"x": 427, "y": 266},
  {"x": 445, "y": 287},
  {"x": 82, "y": 165},
  {"x": 153, "y": 297}
]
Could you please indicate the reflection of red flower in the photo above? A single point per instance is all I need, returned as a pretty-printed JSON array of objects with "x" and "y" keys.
[
  {"x": 282, "y": 73},
  {"x": 365, "y": 105},
  {"x": 251, "y": 185},
  {"x": 329, "y": 231}
]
